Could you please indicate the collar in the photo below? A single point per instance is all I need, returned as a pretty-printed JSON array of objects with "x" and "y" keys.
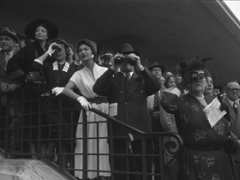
[
  {"x": 232, "y": 102},
  {"x": 65, "y": 67}
]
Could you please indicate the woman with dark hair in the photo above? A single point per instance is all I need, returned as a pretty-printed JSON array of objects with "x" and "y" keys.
[
  {"x": 83, "y": 80},
  {"x": 59, "y": 122},
  {"x": 39, "y": 32},
  {"x": 207, "y": 146}
]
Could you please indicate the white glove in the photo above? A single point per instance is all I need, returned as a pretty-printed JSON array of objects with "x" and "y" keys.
[
  {"x": 84, "y": 103},
  {"x": 57, "y": 90}
]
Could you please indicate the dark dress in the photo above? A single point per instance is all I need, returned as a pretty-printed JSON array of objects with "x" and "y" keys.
[
  {"x": 204, "y": 154},
  {"x": 59, "y": 123}
]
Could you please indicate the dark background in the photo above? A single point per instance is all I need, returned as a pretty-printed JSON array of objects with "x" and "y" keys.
[{"x": 162, "y": 30}]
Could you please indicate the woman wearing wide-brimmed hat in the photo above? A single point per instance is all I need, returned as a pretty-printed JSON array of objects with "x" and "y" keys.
[
  {"x": 208, "y": 141},
  {"x": 38, "y": 32}
]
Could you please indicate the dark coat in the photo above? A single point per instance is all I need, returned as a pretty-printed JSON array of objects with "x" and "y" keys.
[
  {"x": 55, "y": 77},
  {"x": 130, "y": 94},
  {"x": 234, "y": 116},
  {"x": 24, "y": 59}
]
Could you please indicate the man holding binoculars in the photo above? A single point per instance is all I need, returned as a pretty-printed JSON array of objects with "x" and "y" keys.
[{"x": 128, "y": 83}]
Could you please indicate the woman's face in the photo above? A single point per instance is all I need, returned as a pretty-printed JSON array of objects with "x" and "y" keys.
[
  {"x": 41, "y": 33},
  {"x": 171, "y": 82},
  {"x": 198, "y": 81},
  {"x": 85, "y": 53},
  {"x": 7, "y": 43},
  {"x": 210, "y": 87},
  {"x": 60, "y": 53}
]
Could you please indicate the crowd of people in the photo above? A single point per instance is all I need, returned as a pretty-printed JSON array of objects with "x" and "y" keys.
[{"x": 150, "y": 99}]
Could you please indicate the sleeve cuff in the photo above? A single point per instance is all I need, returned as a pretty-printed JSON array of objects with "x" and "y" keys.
[{"x": 38, "y": 61}]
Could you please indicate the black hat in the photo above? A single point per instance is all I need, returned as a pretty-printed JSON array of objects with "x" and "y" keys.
[
  {"x": 5, "y": 31},
  {"x": 51, "y": 28},
  {"x": 89, "y": 43},
  {"x": 191, "y": 65},
  {"x": 127, "y": 48},
  {"x": 156, "y": 64}
]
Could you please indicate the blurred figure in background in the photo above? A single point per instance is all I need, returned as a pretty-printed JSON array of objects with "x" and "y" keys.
[
  {"x": 171, "y": 85},
  {"x": 153, "y": 101},
  {"x": 232, "y": 101},
  {"x": 162, "y": 120},
  {"x": 9, "y": 99}
]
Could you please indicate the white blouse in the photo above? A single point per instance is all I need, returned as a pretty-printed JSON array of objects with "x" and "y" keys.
[{"x": 84, "y": 79}]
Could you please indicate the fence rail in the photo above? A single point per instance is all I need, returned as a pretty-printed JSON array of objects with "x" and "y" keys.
[{"x": 44, "y": 127}]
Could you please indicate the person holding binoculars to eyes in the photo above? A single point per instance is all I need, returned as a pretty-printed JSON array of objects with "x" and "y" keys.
[{"x": 128, "y": 83}]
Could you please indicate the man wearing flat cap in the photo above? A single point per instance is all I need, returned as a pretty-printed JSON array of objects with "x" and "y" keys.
[{"x": 128, "y": 83}]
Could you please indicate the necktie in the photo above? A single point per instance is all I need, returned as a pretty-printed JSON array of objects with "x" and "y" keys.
[
  {"x": 235, "y": 106},
  {"x": 156, "y": 101},
  {"x": 128, "y": 76}
]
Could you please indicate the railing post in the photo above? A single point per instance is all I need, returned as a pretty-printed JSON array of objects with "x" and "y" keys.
[
  {"x": 144, "y": 158},
  {"x": 161, "y": 151},
  {"x": 85, "y": 146}
]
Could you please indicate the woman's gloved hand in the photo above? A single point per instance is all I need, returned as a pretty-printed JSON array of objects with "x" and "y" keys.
[
  {"x": 57, "y": 90},
  {"x": 84, "y": 103}
]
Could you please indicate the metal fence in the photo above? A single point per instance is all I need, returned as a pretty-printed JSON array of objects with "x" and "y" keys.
[{"x": 37, "y": 125}]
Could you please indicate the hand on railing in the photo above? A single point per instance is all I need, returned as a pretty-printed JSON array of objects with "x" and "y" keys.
[
  {"x": 84, "y": 103},
  {"x": 57, "y": 90}
]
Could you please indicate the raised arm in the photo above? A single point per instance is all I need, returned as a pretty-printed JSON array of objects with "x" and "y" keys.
[{"x": 151, "y": 84}]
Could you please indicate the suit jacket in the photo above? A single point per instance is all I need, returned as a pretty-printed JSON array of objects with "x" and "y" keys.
[
  {"x": 233, "y": 116},
  {"x": 130, "y": 94}
]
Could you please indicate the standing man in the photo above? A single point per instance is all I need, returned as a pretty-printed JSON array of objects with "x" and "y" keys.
[
  {"x": 153, "y": 101},
  {"x": 9, "y": 106},
  {"x": 128, "y": 83},
  {"x": 231, "y": 101}
]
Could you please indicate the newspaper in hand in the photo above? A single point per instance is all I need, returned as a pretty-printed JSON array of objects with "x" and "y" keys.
[{"x": 213, "y": 112}]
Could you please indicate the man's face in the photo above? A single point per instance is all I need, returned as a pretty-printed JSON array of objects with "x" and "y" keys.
[
  {"x": 198, "y": 81},
  {"x": 60, "y": 53},
  {"x": 157, "y": 72},
  {"x": 126, "y": 67},
  {"x": 7, "y": 43},
  {"x": 233, "y": 93},
  {"x": 178, "y": 79}
]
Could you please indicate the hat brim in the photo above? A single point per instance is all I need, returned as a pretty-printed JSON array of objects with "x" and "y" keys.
[{"x": 51, "y": 28}]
